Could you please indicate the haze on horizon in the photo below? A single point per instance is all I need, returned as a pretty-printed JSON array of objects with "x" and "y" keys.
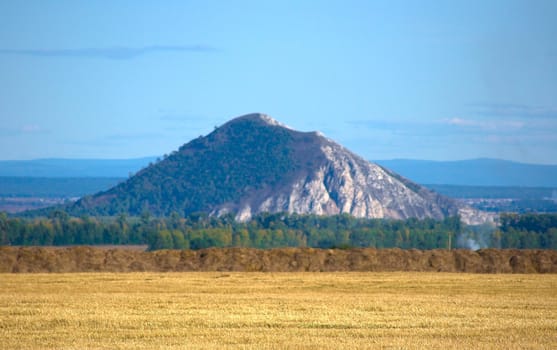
[{"x": 390, "y": 79}]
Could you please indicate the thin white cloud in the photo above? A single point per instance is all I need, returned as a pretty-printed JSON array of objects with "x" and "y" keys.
[
  {"x": 485, "y": 124},
  {"x": 460, "y": 122},
  {"x": 513, "y": 110},
  {"x": 30, "y": 128},
  {"x": 126, "y": 137},
  {"x": 25, "y": 129},
  {"x": 111, "y": 53}
]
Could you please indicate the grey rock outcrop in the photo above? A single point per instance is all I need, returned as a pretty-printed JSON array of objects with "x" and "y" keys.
[
  {"x": 255, "y": 164},
  {"x": 342, "y": 182}
]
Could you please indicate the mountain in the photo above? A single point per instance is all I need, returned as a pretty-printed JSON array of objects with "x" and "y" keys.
[
  {"x": 475, "y": 172},
  {"x": 254, "y": 164},
  {"x": 59, "y": 167}
]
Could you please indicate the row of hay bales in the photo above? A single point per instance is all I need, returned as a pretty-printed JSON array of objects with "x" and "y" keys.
[{"x": 90, "y": 259}]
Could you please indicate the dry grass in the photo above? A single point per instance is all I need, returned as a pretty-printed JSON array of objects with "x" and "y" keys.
[
  {"x": 277, "y": 310},
  {"x": 89, "y": 259}
]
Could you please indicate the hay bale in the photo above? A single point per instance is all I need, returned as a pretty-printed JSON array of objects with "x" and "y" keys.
[
  {"x": 521, "y": 264},
  {"x": 8, "y": 259},
  {"x": 89, "y": 259}
]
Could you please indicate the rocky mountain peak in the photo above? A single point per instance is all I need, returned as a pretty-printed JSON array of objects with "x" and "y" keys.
[
  {"x": 255, "y": 164},
  {"x": 259, "y": 118}
]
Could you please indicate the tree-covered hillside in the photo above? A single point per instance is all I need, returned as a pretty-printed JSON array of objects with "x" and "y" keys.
[{"x": 229, "y": 164}]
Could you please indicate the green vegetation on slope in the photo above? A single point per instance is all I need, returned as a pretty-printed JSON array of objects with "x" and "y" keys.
[{"x": 228, "y": 164}]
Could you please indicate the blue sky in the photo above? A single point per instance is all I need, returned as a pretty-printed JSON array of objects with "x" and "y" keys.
[{"x": 440, "y": 80}]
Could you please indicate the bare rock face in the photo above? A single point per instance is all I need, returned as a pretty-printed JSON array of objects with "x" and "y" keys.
[
  {"x": 255, "y": 164},
  {"x": 346, "y": 183}
]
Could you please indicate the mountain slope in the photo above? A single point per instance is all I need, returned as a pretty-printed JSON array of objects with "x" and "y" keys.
[{"x": 254, "y": 164}]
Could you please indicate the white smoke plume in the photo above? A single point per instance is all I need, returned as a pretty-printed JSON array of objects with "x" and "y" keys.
[{"x": 477, "y": 237}]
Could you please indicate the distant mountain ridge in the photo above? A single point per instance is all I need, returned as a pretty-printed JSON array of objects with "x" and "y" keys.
[
  {"x": 60, "y": 167},
  {"x": 254, "y": 164},
  {"x": 54, "y": 187},
  {"x": 472, "y": 172},
  {"x": 475, "y": 172}
]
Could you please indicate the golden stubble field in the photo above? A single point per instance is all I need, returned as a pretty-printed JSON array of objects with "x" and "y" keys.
[{"x": 204, "y": 310}]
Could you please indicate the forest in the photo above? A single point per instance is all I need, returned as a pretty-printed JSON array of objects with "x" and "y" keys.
[{"x": 197, "y": 231}]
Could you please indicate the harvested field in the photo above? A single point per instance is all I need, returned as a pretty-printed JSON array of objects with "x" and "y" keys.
[
  {"x": 88, "y": 259},
  {"x": 216, "y": 310}
]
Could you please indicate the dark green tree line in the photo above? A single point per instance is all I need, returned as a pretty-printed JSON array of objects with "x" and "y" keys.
[
  {"x": 527, "y": 231},
  {"x": 199, "y": 230}
]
